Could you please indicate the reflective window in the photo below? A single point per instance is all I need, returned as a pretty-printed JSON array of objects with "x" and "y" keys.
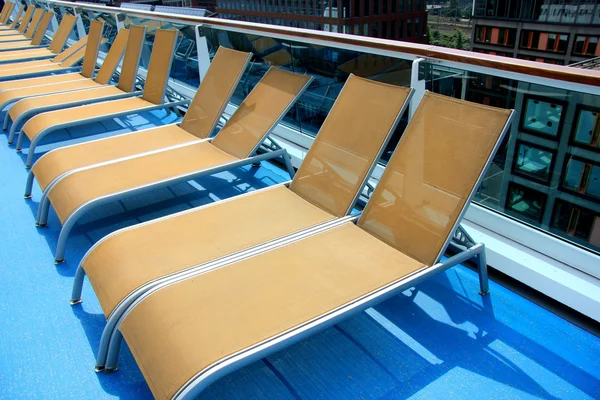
[
  {"x": 526, "y": 202},
  {"x": 544, "y": 41},
  {"x": 533, "y": 162},
  {"x": 582, "y": 176},
  {"x": 576, "y": 223},
  {"x": 587, "y": 127},
  {"x": 586, "y": 46},
  {"x": 539, "y": 116}
]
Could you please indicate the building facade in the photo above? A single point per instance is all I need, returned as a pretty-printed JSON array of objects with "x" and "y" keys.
[
  {"x": 548, "y": 31},
  {"x": 390, "y": 19}
]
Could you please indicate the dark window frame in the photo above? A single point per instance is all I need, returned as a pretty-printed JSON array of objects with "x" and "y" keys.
[
  {"x": 550, "y": 100},
  {"x": 518, "y": 215},
  {"x": 572, "y": 141},
  {"x": 524, "y": 175},
  {"x": 564, "y": 189}
]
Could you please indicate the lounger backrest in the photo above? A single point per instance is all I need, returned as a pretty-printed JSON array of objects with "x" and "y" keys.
[
  {"x": 216, "y": 88},
  {"x": 35, "y": 20},
  {"x": 92, "y": 48},
  {"x": 26, "y": 18},
  {"x": 17, "y": 17},
  {"x": 42, "y": 28},
  {"x": 78, "y": 45},
  {"x": 160, "y": 65},
  {"x": 5, "y": 7},
  {"x": 113, "y": 58},
  {"x": 432, "y": 174},
  {"x": 9, "y": 9},
  {"x": 62, "y": 33},
  {"x": 131, "y": 61},
  {"x": 349, "y": 144},
  {"x": 260, "y": 111}
]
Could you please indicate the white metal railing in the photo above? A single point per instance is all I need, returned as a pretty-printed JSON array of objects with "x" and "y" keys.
[{"x": 558, "y": 77}]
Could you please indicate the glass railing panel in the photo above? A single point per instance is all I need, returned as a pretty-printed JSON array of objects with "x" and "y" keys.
[
  {"x": 547, "y": 172},
  {"x": 329, "y": 66}
]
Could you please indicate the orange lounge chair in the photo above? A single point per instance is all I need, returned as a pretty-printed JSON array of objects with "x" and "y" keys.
[{"x": 185, "y": 334}]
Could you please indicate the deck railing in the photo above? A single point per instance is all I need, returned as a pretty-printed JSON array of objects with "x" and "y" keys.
[{"x": 547, "y": 175}]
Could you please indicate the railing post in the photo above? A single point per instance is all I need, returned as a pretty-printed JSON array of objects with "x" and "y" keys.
[
  {"x": 79, "y": 23},
  {"x": 203, "y": 55},
  {"x": 417, "y": 85},
  {"x": 120, "y": 18},
  {"x": 54, "y": 24}
]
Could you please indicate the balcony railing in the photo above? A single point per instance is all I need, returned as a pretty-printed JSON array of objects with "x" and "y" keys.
[{"x": 543, "y": 190}]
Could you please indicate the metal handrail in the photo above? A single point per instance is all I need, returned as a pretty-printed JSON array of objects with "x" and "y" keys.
[{"x": 382, "y": 46}]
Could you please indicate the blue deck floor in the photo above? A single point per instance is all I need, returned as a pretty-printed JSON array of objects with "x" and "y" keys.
[{"x": 439, "y": 340}]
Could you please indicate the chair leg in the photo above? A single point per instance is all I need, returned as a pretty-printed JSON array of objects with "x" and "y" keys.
[{"x": 484, "y": 284}]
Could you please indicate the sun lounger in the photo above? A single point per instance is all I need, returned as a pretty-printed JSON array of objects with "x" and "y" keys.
[
  {"x": 7, "y": 10},
  {"x": 11, "y": 27},
  {"x": 41, "y": 125},
  {"x": 81, "y": 89},
  {"x": 23, "y": 22},
  {"x": 13, "y": 61},
  {"x": 199, "y": 122},
  {"x": 56, "y": 45},
  {"x": 325, "y": 189},
  {"x": 235, "y": 145},
  {"x": 33, "y": 36},
  {"x": 184, "y": 335}
]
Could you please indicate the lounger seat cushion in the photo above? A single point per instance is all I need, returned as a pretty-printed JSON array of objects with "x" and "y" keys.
[
  {"x": 6, "y": 73},
  {"x": 83, "y": 186},
  {"x": 10, "y": 32},
  {"x": 183, "y": 329},
  {"x": 59, "y": 161},
  {"x": 44, "y": 120},
  {"x": 42, "y": 80},
  {"x": 20, "y": 54},
  {"x": 25, "y": 64},
  {"x": 17, "y": 45},
  {"x": 13, "y": 36},
  {"x": 47, "y": 89},
  {"x": 134, "y": 257}
]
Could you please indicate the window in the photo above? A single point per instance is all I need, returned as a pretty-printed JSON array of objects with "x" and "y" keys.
[
  {"x": 576, "y": 222},
  {"x": 533, "y": 162},
  {"x": 375, "y": 30},
  {"x": 536, "y": 40},
  {"x": 506, "y": 37},
  {"x": 409, "y": 28},
  {"x": 525, "y": 202},
  {"x": 483, "y": 34},
  {"x": 417, "y": 27},
  {"x": 587, "y": 127},
  {"x": 540, "y": 116},
  {"x": 394, "y": 6},
  {"x": 410, "y": 5},
  {"x": 586, "y": 46},
  {"x": 582, "y": 177}
]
